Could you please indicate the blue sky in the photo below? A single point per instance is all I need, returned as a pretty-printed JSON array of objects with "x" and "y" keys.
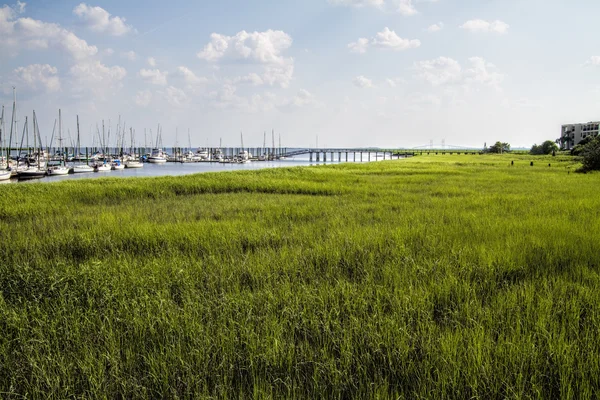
[{"x": 388, "y": 73}]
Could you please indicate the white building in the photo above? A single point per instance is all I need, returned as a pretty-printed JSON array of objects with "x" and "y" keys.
[{"x": 572, "y": 134}]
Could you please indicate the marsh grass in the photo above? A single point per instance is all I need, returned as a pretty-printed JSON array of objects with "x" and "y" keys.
[{"x": 434, "y": 277}]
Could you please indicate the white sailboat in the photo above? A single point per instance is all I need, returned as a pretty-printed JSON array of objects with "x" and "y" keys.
[
  {"x": 158, "y": 156},
  {"x": 4, "y": 173},
  {"x": 83, "y": 168},
  {"x": 132, "y": 162},
  {"x": 243, "y": 156},
  {"x": 34, "y": 170},
  {"x": 58, "y": 169}
]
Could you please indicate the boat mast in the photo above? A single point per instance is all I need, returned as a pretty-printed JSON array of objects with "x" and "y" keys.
[
  {"x": 36, "y": 151},
  {"x": 2, "y": 137},
  {"x": 60, "y": 139},
  {"x": 78, "y": 142}
]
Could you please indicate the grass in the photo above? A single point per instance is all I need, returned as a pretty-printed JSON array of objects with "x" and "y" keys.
[{"x": 433, "y": 277}]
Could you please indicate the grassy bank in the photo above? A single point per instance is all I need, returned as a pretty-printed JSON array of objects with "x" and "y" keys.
[{"x": 434, "y": 277}]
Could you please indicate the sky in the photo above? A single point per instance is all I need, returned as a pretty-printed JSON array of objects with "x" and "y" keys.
[{"x": 337, "y": 73}]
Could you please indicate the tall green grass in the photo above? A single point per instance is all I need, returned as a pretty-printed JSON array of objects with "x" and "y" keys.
[{"x": 433, "y": 277}]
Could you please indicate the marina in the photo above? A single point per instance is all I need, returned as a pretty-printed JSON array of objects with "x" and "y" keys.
[{"x": 134, "y": 169}]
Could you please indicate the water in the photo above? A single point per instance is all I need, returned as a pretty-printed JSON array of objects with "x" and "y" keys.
[{"x": 176, "y": 169}]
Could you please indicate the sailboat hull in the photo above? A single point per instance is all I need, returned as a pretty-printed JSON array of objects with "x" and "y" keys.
[
  {"x": 82, "y": 169},
  {"x": 5, "y": 175},
  {"x": 31, "y": 174},
  {"x": 58, "y": 171}
]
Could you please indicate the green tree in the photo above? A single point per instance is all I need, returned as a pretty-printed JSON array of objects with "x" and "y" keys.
[
  {"x": 577, "y": 150},
  {"x": 548, "y": 147},
  {"x": 591, "y": 155},
  {"x": 499, "y": 148}
]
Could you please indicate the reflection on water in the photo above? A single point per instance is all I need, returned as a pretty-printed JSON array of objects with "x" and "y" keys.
[{"x": 174, "y": 169}]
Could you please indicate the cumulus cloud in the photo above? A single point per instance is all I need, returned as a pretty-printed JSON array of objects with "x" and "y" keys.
[
  {"x": 91, "y": 76},
  {"x": 100, "y": 20},
  {"x": 143, "y": 98},
  {"x": 94, "y": 72},
  {"x": 393, "y": 82},
  {"x": 130, "y": 55},
  {"x": 406, "y": 8},
  {"x": 362, "y": 82},
  {"x": 360, "y": 46},
  {"x": 28, "y": 33},
  {"x": 386, "y": 39},
  {"x": 435, "y": 27},
  {"x": 190, "y": 77},
  {"x": 154, "y": 76},
  {"x": 175, "y": 96},
  {"x": 439, "y": 71},
  {"x": 445, "y": 70},
  {"x": 483, "y": 72},
  {"x": 261, "y": 47},
  {"x": 594, "y": 61},
  {"x": 479, "y": 25},
  {"x": 254, "y": 48},
  {"x": 39, "y": 76},
  {"x": 152, "y": 61},
  {"x": 358, "y": 3}
]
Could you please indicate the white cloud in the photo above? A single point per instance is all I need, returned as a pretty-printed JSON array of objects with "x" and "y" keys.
[
  {"x": 390, "y": 40},
  {"x": 393, "y": 82},
  {"x": 130, "y": 55},
  {"x": 444, "y": 70},
  {"x": 358, "y": 3},
  {"x": 435, "y": 27},
  {"x": 27, "y": 33},
  {"x": 362, "y": 82},
  {"x": 94, "y": 72},
  {"x": 38, "y": 75},
  {"x": 108, "y": 52},
  {"x": 175, "y": 96},
  {"x": 360, "y": 46},
  {"x": 262, "y": 48},
  {"x": 386, "y": 39},
  {"x": 21, "y": 7},
  {"x": 439, "y": 71},
  {"x": 252, "y": 78},
  {"x": 406, "y": 8},
  {"x": 594, "y": 60},
  {"x": 100, "y": 20},
  {"x": 152, "y": 61},
  {"x": 483, "y": 72},
  {"x": 278, "y": 75},
  {"x": 190, "y": 77},
  {"x": 96, "y": 78},
  {"x": 143, "y": 98},
  {"x": 479, "y": 25},
  {"x": 154, "y": 76}
]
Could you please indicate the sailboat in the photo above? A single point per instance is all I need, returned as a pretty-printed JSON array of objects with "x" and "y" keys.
[
  {"x": 243, "y": 156},
  {"x": 80, "y": 168},
  {"x": 133, "y": 162},
  {"x": 34, "y": 170},
  {"x": 4, "y": 174},
  {"x": 157, "y": 156},
  {"x": 263, "y": 156},
  {"x": 58, "y": 169},
  {"x": 103, "y": 166}
]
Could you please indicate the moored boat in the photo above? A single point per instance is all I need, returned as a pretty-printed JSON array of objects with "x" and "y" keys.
[
  {"x": 58, "y": 170},
  {"x": 82, "y": 169}
]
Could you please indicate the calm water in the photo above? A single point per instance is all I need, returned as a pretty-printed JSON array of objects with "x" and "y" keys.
[{"x": 174, "y": 169}]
